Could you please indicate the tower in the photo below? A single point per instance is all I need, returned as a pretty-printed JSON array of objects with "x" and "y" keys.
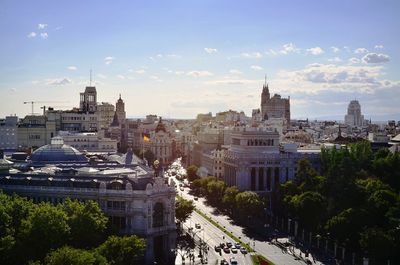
[
  {"x": 120, "y": 110},
  {"x": 88, "y": 99}
]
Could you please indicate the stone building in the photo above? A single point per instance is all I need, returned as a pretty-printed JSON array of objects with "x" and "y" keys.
[
  {"x": 353, "y": 118},
  {"x": 135, "y": 201},
  {"x": 8, "y": 133},
  {"x": 275, "y": 106}
]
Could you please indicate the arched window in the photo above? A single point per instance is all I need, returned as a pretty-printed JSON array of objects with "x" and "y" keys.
[{"x": 158, "y": 215}]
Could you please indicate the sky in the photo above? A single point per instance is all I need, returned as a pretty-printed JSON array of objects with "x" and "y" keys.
[{"x": 179, "y": 58}]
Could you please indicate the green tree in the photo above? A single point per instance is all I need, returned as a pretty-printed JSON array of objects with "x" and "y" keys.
[
  {"x": 87, "y": 222},
  {"x": 215, "y": 191},
  {"x": 45, "y": 228},
  {"x": 127, "y": 250},
  {"x": 191, "y": 173},
  {"x": 229, "y": 198},
  {"x": 248, "y": 203},
  {"x": 379, "y": 244},
  {"x": 183, "y": 209},
  {"x": 70, "y": 256},
  {"x": 310, "y": 208}
]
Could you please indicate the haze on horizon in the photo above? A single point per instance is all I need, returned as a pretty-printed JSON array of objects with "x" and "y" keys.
[{"x": 179, "y": 58}]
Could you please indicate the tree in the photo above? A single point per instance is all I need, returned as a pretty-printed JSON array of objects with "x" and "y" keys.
[
  {"x": 248, "y": 203},
  {"x": 191, "y": 172},
  {"x": 127, "y": 250},
  {"x": 183, "y": 209},
  {"x": 229, "y": 198},
  {"x": 71, "y": 256},
  {"x": 45, "y": 228},
  {"x": 87, "y": 222},
  {"x": 310, "y": 208},
  {"x": 215, "y": 190},
  {"x": 379, "y": 244}
]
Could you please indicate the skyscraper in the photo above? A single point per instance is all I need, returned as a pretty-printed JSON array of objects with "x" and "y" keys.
[{"x": 354, "y": 117}]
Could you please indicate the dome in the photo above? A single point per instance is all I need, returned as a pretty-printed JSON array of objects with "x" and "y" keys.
[{"x": 57, "y": 151}]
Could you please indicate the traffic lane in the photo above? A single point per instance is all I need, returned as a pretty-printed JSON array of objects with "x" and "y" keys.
[
  {"x": 270, "y": 251},
  {"x": 214, "y": 236}
]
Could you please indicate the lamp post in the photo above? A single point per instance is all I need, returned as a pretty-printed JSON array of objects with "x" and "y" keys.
[{"x": 318, "y": 238}]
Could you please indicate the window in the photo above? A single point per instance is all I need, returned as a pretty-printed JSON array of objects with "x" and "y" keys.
[{"x": 158, "y": 215}]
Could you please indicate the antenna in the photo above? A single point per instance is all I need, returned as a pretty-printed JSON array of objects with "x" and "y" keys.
[
  {"x": 90, "y": 84},
  {"x": 265, "y": 83}
]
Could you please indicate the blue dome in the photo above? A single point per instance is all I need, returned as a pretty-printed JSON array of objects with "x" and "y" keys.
[{"x": 57, "y": 152}]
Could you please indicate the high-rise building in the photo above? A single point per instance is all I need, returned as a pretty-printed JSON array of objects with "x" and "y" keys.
[
  {"x": 354, "y": 117},
  {"x": 120, "y": 109},
  {"x": 88, "y": 100},
  {"x": 275, "y": 106}
]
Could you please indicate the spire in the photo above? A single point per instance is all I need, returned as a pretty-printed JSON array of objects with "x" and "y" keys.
[
  {"x": 119, "y": 95},
  {"x": 265, "y": 82},
  {"x": 90, "y": 83}
]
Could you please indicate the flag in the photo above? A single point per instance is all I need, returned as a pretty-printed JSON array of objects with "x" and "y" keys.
[{"x": 146, "y": 138}]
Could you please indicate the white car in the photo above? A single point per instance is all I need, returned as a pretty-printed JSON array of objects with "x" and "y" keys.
[{"x": 234, "y": 249}]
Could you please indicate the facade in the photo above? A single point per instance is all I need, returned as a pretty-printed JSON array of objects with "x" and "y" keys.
[
  {"x": 256, "y": 161},
  {"x": 35, "y": 131},
  {"x": 353, "y": 118},
  {"x": 105, "y": 113},
  {"x": 161, "y": 143},
  {"x": 90, "y": 142},
  {"x": 88, "y": 99},
  {"x": 120, "y": 109},
  {"x": 275, "y": 106},
  {"x": 8, "y": 133},
  {"x": 135, "y": 201}
]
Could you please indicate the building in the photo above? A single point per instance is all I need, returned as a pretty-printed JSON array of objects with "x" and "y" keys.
[
  {"x": 105, "y": 113},
  {"x": 88, "y": 99},
  {"x": 256, "y": 161},
  {"x": 353, "y": 118},
  {"x": 275, "y": 106},
  {"x": 8, "y": 133},
  {"x": 160, "y": 143},
  {"x": 120, "y": 109},
  {"x": 35, "y": 131},
  {"x": 135, "y": 201},
  {"x": 90, "y": 142}
]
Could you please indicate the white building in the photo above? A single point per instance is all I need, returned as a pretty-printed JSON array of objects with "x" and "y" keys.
[{"x": 90, "y": 142}]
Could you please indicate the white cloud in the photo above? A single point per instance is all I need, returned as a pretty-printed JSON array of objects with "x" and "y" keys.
[
  {"x": 271, "y": 52},
  {"x": 179, "y": 72},
  {"x": 380, "y": 46},
  {"x": 335, "y": 60},
  {"x": 101, "y": 76},
  {"x": 251, "y": 55},
  {"x": 289, "y": 48},
  {"x": 233, "y": 82},
  {"x": 210, "y": 50},
  {"x": 44, "y": 35},
  {"x": 109, "y": 59},
  {"x": 199, "y": 73},
  {"x": 335, "y": 49},
  {"x": 375, "y": 58},
  {"x": 235, "y": 72},
  {"x": 360, "y": 50},
  {"x": 315, "y": 51},
  {"x": 42, "y": 26},
  {"x": 354, "y": 60},
  {"x": 58, "y": 82},
  {"x": 121, "y": 76},
  {"x": 32, "y": 35},
  {"x": 72, "y": 68},
  {"x": 140, "y": 71},
  {"x": 256, "y": 67}
]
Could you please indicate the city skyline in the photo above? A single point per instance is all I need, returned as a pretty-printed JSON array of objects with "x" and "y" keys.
[{"x": 178, "y": 59}]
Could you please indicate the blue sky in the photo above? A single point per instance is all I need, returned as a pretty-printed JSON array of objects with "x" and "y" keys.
[{"x": 179, "y": 58}]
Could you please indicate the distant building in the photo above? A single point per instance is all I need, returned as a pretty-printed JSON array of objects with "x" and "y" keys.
[
  {"x": 90, "y": 142},
  {"x": 353, "y": 118},
  {"x": 35, "y": 131},
  {"x": 88, "y": 99},
  {"x": 8, "y": 133},
  {"x": 105, "y": 112},
  {"x": 120, "y": 109},
  {"x": 274, "y": 107}
]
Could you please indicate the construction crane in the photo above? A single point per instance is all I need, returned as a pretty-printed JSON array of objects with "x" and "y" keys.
[{"x": 34, "y": 102}]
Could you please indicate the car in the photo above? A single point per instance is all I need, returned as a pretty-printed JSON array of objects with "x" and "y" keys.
[
  {"x": 224, "y": 262},
  {"x": 228, "y": 244},
  {"x": 197, "y": 225},
  {"x": 233, "y": 261},
  {"x": 222, "y": 245},
  {"x": 227, "y": 250},
  {"x": 238, "y": 246},
  {"x": 217, "y": 248},
  {"x": 234, "y": 249},
  {"x": 243, "y": 250},
  {"x": 196, "y": 198}
]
